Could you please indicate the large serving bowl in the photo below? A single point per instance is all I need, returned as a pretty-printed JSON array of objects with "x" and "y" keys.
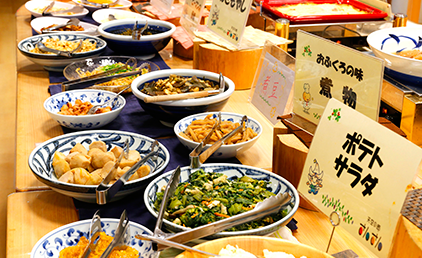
[
  {"x": 147, "y": 46},
  {"x": 169, "y": 112},
  {"x": 233, "y": 171},
  {"x": 256, "y": 245},
  {"x": 55, "y": 62},
  {"x": 50, "y": 245},
  {"x": 102, "y": 15},
  {"x": 36, "y": 7},
  {"x": 40, "y": 161},
  {"x": 73, "y": 71},
  {"x": 384, "y": 43},
  {"x": 120, "y": 4},
  {"x": 54, "y": 103},
  {"x": 39, "y": 23},
  {"x": 225, "y": 151}
]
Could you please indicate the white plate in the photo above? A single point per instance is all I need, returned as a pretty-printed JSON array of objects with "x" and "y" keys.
[
  {"x": 101, "y": 15},
  {"x": 41, "y": 22},
  {"x": 119, "y": 5},
  {"x": 33, "y": 5}
]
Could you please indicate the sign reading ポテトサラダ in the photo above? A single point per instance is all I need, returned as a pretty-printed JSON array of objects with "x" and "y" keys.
[
  {"x": 326, "y": 70},
  {"x": 362, "y": 170},
  {"x": 228, "y": 19}
]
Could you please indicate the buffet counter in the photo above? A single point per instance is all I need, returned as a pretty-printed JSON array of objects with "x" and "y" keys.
[{"x": 34, "y": 210}]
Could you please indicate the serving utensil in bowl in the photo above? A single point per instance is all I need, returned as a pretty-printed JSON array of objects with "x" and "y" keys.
[
  {"x": 276, "y": 185},
  {"x": 58, "y": 9}
]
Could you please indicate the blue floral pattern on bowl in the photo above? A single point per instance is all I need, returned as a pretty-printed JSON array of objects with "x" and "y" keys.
[
  {"x": 40, "y": 160},
  {"x": 52, "y": 243},
  {"x": 233, "y": 171}
]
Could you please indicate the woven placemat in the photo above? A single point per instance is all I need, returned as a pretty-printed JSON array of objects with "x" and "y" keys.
[{"x": 412, "y": 207}]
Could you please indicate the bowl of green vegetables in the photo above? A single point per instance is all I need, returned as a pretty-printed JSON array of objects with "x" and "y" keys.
[{"x": 217, "y": 191}]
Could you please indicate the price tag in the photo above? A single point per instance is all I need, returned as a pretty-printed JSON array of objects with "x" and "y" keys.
[
  {"x": 273, "y": 83},
  {"x": 228, "y": 19},
  {"x": 325, "y": 70},
  {"x": 191, "y": 15},
  {"x": 361, "y": 170},
  {"x": 163, "y": 5}
]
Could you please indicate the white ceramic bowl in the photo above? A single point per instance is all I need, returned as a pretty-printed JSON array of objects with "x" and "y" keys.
[
  {"x": 42, "y": 22},
  {"x": 55, "y": 62},
  {"x": 54, "y": 103},
  {"x": 101, "y": 15},
  {"x": 120, "y": 4},
  {"x": 277, "y": 185},
  {"x": 225, "y": 151},
  {"x": 384, "y": 43},
  {"x": 33, "y": 5},
  {"x": 40, "y": 161},
  {"x": 169, "y": 112},
  {"x": 50, "y": 245},
  {"x": 146, "y": 47}
]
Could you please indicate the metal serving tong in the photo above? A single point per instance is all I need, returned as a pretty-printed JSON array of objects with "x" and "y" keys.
[
  {"x": 72, "y": 21},
  {"x": 97, "y": 4},
  {"x": 85, "y": 82},
  {"x": 121, "y": 237},
  {"x": 105, "y": 192},
  {"x": 197, "y": 158},
  {"x": 69, "y": 54},
  {"x": 74, "y": 9},
  {"x": 266, "y": 207},
  {"x": 113, "y": 101},
  {"x": 94, "y": 232},
  {"x": 137, "y": 33}
]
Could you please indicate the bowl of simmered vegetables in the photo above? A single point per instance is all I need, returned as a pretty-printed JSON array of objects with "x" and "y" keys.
[
  {"x": 193, "y": 129},
  {"x": 216, "y": 191},
  {"x": 97, "y": 65},
  {"x": 118, "y": 35},
  {"x": 182, "y": 81}
]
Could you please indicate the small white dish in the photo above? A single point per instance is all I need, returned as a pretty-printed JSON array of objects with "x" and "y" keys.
[
  {"x": 36, "y": 7},
  {"x": 101, "y": 16},
  {"x": 42, "y": 22},
  {"x": 120, "y": 4}
]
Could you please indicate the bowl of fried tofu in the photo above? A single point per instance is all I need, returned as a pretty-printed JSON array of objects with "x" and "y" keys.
[{"x": 75, "y": 164}]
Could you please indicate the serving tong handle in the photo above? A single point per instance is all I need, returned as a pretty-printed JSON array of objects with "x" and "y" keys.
[
  {"x": 71, "y": 21},
  {"x": 94, "y": 231},
  {"x": 121, "y": 237},
  {"x": 197, "y": 158},
  {"x": 105, "y": 192},
  {"x": 45, "y": 12},
  {"x": 69, "y": 54},
  {"x": 137, "y": 33},
  {"x": 97, "y": 4},
  {"x": 268, "y": 206},
  {"x": 113, "y": 101}
]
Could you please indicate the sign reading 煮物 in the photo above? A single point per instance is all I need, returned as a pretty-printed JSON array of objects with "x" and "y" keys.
[
  {"x": 325, "y": 70},
  {"x": 163, "y": 5},
  {"x": 191, "y": 15},
  {"x": 361, "y": 170},
  {"x": 227, "y": 19},
  {"x": 273, "y": 83}
]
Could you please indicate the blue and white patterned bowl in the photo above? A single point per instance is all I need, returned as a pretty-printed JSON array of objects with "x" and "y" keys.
[
  {"x": 147, "y": 46},
  {"x": 50, "y": 245},
  {"x": 384, "y": 43},
  {"x": 54, "y": 62},
  {"x": 233, "y": 171},
  {"x": 54, "y": 103},
  {"x": 40, "y": 161},
  {"x": 225, "y": 151}
]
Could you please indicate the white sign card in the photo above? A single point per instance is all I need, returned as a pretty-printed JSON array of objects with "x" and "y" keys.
[
  {"x": 228, "y": 19},
  {"x": 273, "y": 83},
  {"x": 163, "y": 5},
  {"x": 362, "y": 170},
  {"x": 191, "y": 15},
  {"x": 325, "y": 70}
]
